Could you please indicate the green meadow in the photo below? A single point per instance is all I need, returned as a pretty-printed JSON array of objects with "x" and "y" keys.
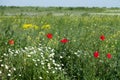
[{"x": 59, "y": 43}]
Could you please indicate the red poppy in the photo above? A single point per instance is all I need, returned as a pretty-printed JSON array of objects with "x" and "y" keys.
[
  {"x": 49, "y": 36},
  {"x": 11, "y": 42},
  {"x": 102, "y": 37},
  {"x": 109, "y": 56},
  {"x": 96, "y": 54},
  {"x": 64, "y": 40}
]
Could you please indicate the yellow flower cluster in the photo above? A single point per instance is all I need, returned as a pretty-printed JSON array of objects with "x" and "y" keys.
[{"x": 27, "y": 26}]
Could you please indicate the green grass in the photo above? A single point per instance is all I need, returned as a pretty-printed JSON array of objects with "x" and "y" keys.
[{"x": 33, "y": 56}]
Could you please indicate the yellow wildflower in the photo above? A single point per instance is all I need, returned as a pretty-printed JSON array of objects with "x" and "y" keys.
[
  {"x": 36, "y": 27},
  {"x": 47, "y": 26},
  {"x": 26, "y": 26}
]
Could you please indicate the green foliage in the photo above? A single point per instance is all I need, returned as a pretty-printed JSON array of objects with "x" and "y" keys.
[{"x": 33, "y": 56}]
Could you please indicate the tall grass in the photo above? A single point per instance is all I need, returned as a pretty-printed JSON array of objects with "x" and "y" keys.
[{"x": 33, "y": 56}]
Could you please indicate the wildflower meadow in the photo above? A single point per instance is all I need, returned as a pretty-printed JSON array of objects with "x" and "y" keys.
[{"x": 49, "y": 47}]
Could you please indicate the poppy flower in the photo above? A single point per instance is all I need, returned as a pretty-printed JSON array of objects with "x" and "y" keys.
[
  {"x": 64, "y": 40},
  {"x": 49, "y": 36},
  {"x": 96, "y": 54},
  {"x": 109, "y": 56},
  {"x": 11, "y": 42},
  {"x": 102, "y": 37}
]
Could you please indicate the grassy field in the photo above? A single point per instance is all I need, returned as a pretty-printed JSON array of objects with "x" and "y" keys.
[{"x": 49, "y": 47}]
